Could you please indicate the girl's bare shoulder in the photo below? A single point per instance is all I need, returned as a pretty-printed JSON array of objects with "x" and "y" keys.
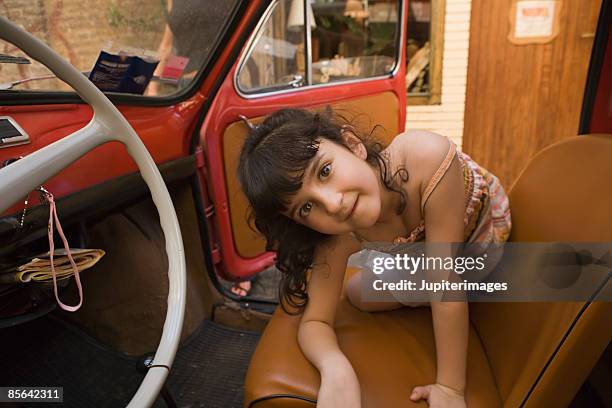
[{"x": 419, "y": 151}]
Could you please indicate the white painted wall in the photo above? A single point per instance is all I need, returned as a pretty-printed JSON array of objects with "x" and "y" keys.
[{"x": 447, "y": 118}]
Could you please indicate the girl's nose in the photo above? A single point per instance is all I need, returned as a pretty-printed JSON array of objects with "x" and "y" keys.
[{"x": 332, "y": 202}]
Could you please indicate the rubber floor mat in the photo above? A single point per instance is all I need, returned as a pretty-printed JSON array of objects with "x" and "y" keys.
[
  {"x": 210, "y": 367},
  {"x": 208, "y": 371}
]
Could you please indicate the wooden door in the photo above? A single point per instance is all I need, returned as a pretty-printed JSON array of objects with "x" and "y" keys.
[{"x": 522, "y": 98}]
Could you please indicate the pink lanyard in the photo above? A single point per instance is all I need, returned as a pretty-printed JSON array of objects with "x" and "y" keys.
[{"x": 53, "y": 216}]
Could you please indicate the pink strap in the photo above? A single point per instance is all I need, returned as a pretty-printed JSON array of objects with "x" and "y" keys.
[
  {"x": 52, "y": 216},
  {"x": 439, "y": 173}
]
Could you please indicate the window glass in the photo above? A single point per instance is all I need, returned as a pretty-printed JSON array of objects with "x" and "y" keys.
[
  {"x": 276, "y": 59},
  {"x": 165, "y": 40},
  {"x": 418, "y": 47},
  {"x": 349, "y": 40},
  {"x": 353, "y": 39}
]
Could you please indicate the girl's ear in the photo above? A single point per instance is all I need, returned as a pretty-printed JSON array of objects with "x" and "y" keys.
[{"x": 354, "y": 143}]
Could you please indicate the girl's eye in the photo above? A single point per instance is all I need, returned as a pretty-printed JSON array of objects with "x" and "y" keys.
[
  {"x": 305, "y": 209},
  {"x": 325, "y": 170}
]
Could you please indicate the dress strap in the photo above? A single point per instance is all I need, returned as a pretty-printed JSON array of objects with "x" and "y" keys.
[{"x": 439, "y": 173}]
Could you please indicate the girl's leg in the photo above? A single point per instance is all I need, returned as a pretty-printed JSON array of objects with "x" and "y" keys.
[{"x": 241, "y": 288}]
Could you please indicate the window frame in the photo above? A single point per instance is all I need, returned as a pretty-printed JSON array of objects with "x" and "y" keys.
[
  {"x": 436, "y": 35},
  {"x": 36, "y": 97},
  {"x": 399, "y": 37}
]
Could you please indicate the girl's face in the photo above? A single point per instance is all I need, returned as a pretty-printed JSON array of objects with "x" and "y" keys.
[{"x": 341, "y": 192}]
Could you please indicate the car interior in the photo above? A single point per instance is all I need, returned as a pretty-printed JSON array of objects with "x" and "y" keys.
[{"x": 159, "y": 325}]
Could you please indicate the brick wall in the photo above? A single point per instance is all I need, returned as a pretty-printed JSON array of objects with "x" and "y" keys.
[
  {"x": 447, "y": 117},
  {"x": 78, "y": 29}
]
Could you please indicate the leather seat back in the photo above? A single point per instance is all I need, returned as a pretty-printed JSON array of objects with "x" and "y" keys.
[{"x": 540, "y": 353}]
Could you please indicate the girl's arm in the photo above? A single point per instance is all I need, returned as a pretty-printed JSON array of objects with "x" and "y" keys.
[
  {"x": 316, "y": 335},
  {"x": 444, "y": 213}
]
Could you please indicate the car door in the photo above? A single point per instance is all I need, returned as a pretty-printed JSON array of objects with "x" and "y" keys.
[{"x": 350, "y": 56}]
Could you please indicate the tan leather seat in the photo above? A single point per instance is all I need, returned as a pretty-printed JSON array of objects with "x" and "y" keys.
[{"x": 530, "y": 354}]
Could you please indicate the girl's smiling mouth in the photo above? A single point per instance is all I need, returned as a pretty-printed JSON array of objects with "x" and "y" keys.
[{"x": 352, "y": 210}]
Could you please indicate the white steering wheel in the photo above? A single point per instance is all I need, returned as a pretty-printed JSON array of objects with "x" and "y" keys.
[{"x": 107, "y": 125}]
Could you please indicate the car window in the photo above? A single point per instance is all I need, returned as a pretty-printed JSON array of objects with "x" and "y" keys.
[
  {"x": 158, "y": 45},
  {"x": 276, "y": 57},
  {"x": 348, "y": 40}
]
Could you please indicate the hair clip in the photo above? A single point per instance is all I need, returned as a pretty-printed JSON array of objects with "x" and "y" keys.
[{"x": 313, "y": 146}]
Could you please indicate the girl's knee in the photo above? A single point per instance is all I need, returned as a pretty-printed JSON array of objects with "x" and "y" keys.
[
  {"x": 353, "y": 291},
  {"x": 353, "y": 294}
]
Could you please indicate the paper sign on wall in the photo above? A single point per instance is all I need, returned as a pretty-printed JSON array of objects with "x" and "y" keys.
[{"x": 534, "y": 21}]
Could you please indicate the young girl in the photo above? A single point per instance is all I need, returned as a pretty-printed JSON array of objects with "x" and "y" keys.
[{"x": 317, "y": 188}]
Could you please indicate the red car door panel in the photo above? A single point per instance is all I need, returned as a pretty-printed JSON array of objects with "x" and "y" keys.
[{"x": 165, "y": 131}]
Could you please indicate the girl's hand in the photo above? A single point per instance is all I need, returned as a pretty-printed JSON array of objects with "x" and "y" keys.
[
  {"x": 439, "y": 396},
  {"x": 339, "y": 386}
]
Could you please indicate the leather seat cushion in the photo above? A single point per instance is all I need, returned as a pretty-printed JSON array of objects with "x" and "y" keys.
[{"x": 391, "y": 352}]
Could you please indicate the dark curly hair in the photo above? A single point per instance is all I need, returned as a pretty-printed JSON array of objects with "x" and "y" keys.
[{"x": 271, "y": 169}]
